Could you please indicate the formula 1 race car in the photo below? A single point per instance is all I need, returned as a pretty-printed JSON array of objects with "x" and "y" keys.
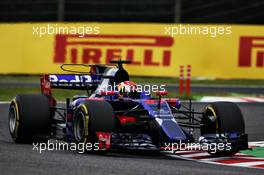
[{"x": 117, "y": 116}]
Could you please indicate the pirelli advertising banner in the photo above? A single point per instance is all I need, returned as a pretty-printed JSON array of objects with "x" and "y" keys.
[{"x": 213, "y": 51}]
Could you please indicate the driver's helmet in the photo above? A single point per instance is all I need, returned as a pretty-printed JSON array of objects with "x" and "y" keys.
[{"x": 127, "y": 89}]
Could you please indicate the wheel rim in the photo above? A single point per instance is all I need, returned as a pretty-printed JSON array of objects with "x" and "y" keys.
[
  {"x": 79, "y": 126},
  {"x": 12, "y": 119}
]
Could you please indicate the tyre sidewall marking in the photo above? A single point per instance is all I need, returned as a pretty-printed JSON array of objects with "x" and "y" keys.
[
  {"x": 17, "y": 118},
  {"x": 210, "y": 108},
  {"x": 84, "y": 108}
]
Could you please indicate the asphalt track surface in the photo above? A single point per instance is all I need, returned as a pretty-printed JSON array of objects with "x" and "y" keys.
[{"x": 21, "y": 159}]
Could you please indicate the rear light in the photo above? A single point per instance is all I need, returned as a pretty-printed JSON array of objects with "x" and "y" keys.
[
  {"x": 45, "y": 85},
  {"x": 150, "y": 102},
  {"x": 104, "y": 93},
  {"x": 93, "y": 70},
  {"x": 175, "y": 102},
  {"x": 126, "y": 119},
  {"x": 46, "y": 89},
  {"x": 161, "y": 93}
]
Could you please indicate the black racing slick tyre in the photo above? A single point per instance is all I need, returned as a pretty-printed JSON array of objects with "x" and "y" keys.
[
  {"x": 29, "y": 118},
  {"x": 221, "y": 118},
  {"x": 90, "y": 117},
  {"x": 229, "y": 118}
]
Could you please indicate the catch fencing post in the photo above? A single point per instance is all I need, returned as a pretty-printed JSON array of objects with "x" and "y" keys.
[
  {"x": 188, "y": 81},
  {"x": 181, "y": 80}
]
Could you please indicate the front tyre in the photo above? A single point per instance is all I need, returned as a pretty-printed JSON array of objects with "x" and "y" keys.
[
  {"x": 29, "y": 118},
  {"x": 223, "y": 122},
  {"x": 91, "y": 117}
]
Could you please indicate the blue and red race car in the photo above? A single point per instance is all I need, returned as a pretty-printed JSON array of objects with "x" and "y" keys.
[{"x": 121, "y": 117}]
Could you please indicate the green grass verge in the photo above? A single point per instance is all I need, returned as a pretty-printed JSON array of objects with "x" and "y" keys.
[
  {"x": 258, "y": 152},
  {"x": 201, "y": 82},
  {"x": 59, "y": 94},
  {"x": 6, "y": 94},
  {"x": 145, "y": 80},
  {"x": 23, "y": 78}
]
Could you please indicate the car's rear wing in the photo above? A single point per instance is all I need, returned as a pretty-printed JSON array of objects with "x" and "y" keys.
[
  {"x": 74, "y": 81},
  {"x": 69, "y": 81}
]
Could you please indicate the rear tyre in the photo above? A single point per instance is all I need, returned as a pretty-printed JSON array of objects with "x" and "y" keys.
[
  {"x": 29, "y": 118},
  {"x": 221, "y": 118},
  {"x": 91, "y": 117}
]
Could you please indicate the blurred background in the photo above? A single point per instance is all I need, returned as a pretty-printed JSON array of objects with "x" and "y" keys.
[
  {"x": 150, "y": 11},
  {"x": 245, "y": 16}
]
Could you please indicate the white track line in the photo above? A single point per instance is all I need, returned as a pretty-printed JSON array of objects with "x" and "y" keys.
[
  {"x": 258, "y": 144},
  {"x": 232, "y": 99},
  {"x": 214, "y": 159},
  {"x": 248, "y": 164},
  {"x": 4, "y": 102},
  {"x": 244, "y": 164},
  {"x": 195, "y": 155},
  {"x": 8, "y": 102},
  {"x": 191, "y": 155}
]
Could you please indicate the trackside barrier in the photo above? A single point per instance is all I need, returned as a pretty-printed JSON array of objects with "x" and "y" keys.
[{"x": 155, "y": 50}]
